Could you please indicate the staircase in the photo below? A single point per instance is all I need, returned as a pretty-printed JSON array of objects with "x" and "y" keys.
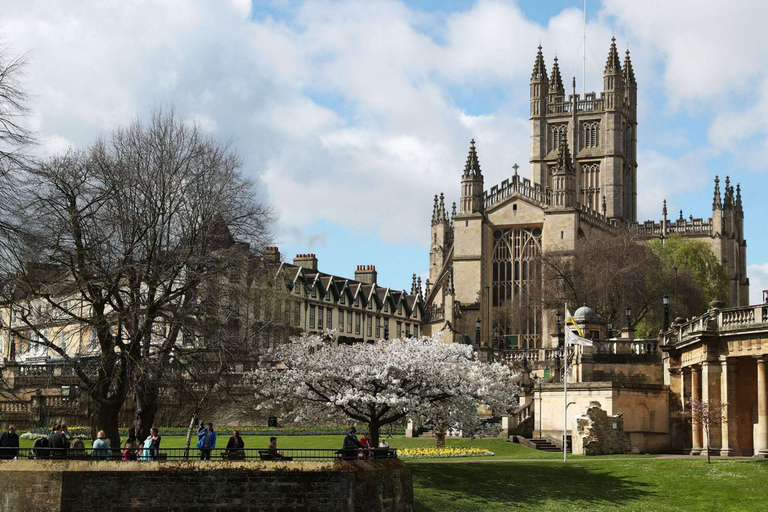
[{"x": 545, "y": 446}]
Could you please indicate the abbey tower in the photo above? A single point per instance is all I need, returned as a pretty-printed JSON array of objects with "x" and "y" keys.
[{"x": 583, "y": 168}]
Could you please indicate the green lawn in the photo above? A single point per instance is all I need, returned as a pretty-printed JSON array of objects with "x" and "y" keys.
[{"x": 625, "y": 484}]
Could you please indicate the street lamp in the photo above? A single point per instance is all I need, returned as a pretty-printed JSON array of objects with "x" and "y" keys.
[
  {"x": 610, "y": 329},
  {"x": 628, "y": 311},
  {"x": 665, "y": 301},
  {"x": 560, "y": 338},
  {"x": 675, "y": 269},
  {"x": 477, "y": 332}
]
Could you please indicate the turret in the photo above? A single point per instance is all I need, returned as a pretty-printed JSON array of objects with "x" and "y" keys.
[
  {"x": 556, "y": 87},
  {"x": 613, "y": 81},
  {"x": 539, "y": 86},
  {"x": 630, "y": 95},
  {"x": 472, "y": 183},
  {"x": 539, "y": 91},
  {"x": 441, "y": 235},
  {"x": 564, "y": 178}
]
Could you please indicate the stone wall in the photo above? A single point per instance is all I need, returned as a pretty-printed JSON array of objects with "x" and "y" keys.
[
  {"x": 27, "y": 485},
  {"x": 598, "y": 433}
]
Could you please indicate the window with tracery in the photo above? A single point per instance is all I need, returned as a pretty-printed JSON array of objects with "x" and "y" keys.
[
  {"x": 557, "y": 133},
  {"x": 516, "y": 288},
  {"x": 590, "y": 185},
  {"x": 590, "y": 134}
]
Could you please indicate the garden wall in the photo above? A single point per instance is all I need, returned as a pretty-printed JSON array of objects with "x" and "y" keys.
[{"x": 27, "y": 485}]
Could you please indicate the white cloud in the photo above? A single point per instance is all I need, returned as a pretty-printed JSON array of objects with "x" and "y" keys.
[{"x": 347, "y": 112}]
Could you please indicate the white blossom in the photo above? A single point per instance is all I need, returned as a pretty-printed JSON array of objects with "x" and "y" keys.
[{"x": 425, "y": 379}]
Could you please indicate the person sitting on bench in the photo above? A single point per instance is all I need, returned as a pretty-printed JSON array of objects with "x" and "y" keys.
[{"x": 273, "y": 452}]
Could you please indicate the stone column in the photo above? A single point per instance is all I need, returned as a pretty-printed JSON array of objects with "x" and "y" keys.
[
  {"x": 761, "y": 436},
  {"x": 729, "y": 427},
  {"x": 710, "y": 390},
  {"x": 696, "y": 436}
]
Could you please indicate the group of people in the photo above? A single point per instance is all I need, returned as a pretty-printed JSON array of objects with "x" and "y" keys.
[
  {"x": 133, "y": 449},
  {"x": 206, "y": 442},
  {"x": 364, "y": 445}
]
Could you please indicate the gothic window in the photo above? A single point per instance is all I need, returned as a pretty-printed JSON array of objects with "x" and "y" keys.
[
  {"x": 590, "y": 185},
  {"x": 329, "y": 323},
  {"x": 590, "y": 134},
  {"x": 557, "y": 133},
  {"x": 320, "y": 313},
  {"x": 341, "y": 321},
  {"x": 312, "y": 316},
  {"x": 516, "y": 286}
]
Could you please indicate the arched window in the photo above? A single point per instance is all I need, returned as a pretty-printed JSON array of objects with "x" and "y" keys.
[
  {"x": 590, "y": 134},
  {"x": 516, "y": 286},
  {"x": 557, "y": 133},
  {"x": 590, "y": 185}
]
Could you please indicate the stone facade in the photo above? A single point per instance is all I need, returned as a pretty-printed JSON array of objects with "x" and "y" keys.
[
  {"x": 583, "y": 168},
  {"x": 598, "y": 433},
  {"x": 362, "y": 486},
  {"x": 723, "y": 356},
  {"x": 356, "y": 309}
]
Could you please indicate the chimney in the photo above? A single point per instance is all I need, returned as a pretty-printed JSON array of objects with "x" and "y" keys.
[
  {"x": 272, "y": 255},
  {"x": 308, "y": 261},
  {"x": 366, "y": 274}
]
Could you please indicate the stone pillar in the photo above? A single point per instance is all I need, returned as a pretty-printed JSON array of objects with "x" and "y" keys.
[
  {"x": 676, "y": 382},
  {"x": 710, "y": 390},
  {"x": 729, "y": 428},
  {"x": 696, "y": 436},
  {"x": 761, "y": 436}
]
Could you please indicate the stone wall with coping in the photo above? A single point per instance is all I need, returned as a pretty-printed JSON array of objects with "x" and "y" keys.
[{"x": 28, "y": 485}]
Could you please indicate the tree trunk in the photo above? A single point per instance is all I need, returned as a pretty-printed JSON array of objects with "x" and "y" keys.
[
  {"x": 708, "y": 458},
  {"x": 145, "y": 403},
  {"x": 192, "y": 424},
  {"x": 106, "y": 417},
  {"x": 373, "y": 428}
]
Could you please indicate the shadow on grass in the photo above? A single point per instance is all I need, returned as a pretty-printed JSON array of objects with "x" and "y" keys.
[{"x": 440, "y": 487}]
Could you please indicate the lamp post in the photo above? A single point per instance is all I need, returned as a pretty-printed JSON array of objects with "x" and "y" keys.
[
  {"x": 628, "y": 311},
  {"x": 665, "y": 301},
  {"x": 610, "y": 329},
  {"x": 540, "y": 381},
  {"x": 675, "y": 269},
  {"x": 477, "y": 332},
  {"x": 488, "y": 306},
  {"x": 559, "y": 318}
]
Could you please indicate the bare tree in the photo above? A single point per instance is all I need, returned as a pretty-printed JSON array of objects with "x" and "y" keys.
[
  {"x": 708, "y": 414},
  {"x": 124, "y": 236}
]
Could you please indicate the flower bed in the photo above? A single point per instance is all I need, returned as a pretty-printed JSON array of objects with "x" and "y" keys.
[{"x": 440, "y": 453}]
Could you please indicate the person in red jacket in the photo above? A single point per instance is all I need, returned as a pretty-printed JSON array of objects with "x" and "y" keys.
[{"x": 367, "y": 442}]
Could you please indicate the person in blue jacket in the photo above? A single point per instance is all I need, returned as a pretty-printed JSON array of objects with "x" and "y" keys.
[{"x": 206, "y": 441}]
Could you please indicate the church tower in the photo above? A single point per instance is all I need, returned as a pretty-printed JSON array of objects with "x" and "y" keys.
[{"x": 600, "y": 132}]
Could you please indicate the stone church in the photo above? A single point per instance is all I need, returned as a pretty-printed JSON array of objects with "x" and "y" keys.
[{"x": 584, "y": 172}]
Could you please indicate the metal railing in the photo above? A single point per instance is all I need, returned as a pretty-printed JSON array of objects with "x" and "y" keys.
[{"x": 193, "y": 454}]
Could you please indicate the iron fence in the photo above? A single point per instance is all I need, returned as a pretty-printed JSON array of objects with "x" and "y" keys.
[{"x": 181, "y": 454}]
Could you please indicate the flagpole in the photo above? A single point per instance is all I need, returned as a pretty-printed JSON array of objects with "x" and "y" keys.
[{"x": 565, "y": 387}]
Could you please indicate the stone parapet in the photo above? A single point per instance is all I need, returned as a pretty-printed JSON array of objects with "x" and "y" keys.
[{"x": 27, "y": 485}]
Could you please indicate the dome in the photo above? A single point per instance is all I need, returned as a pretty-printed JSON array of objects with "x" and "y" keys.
[{"x": 584, "y": 312}]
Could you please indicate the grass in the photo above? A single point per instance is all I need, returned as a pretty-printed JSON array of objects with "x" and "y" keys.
[{"x": 622, "y": 484}]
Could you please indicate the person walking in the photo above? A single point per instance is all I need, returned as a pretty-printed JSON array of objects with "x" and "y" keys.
[
  {"x": 235, "y": 447},
  {"x": 9, "y": 443},
  {"x": 200, "y": 439},
  {"x": 101, "y": 449},
  {"x": 206, "y": 442}
]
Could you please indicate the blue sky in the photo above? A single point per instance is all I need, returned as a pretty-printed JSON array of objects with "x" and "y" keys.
[{"x": 351, "y": 115}]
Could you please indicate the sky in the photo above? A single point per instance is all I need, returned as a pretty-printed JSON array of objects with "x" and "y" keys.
[{"x": 351, "y": 115}]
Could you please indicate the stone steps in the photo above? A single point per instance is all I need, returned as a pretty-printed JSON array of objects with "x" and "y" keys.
[{"x": 545, "y": 446}]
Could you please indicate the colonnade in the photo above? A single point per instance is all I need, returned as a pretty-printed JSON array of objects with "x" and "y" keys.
[{"x": 716, "y": 380}]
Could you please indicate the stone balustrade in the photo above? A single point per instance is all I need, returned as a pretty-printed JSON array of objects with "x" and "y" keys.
[{"x": 717, "y": 320}]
